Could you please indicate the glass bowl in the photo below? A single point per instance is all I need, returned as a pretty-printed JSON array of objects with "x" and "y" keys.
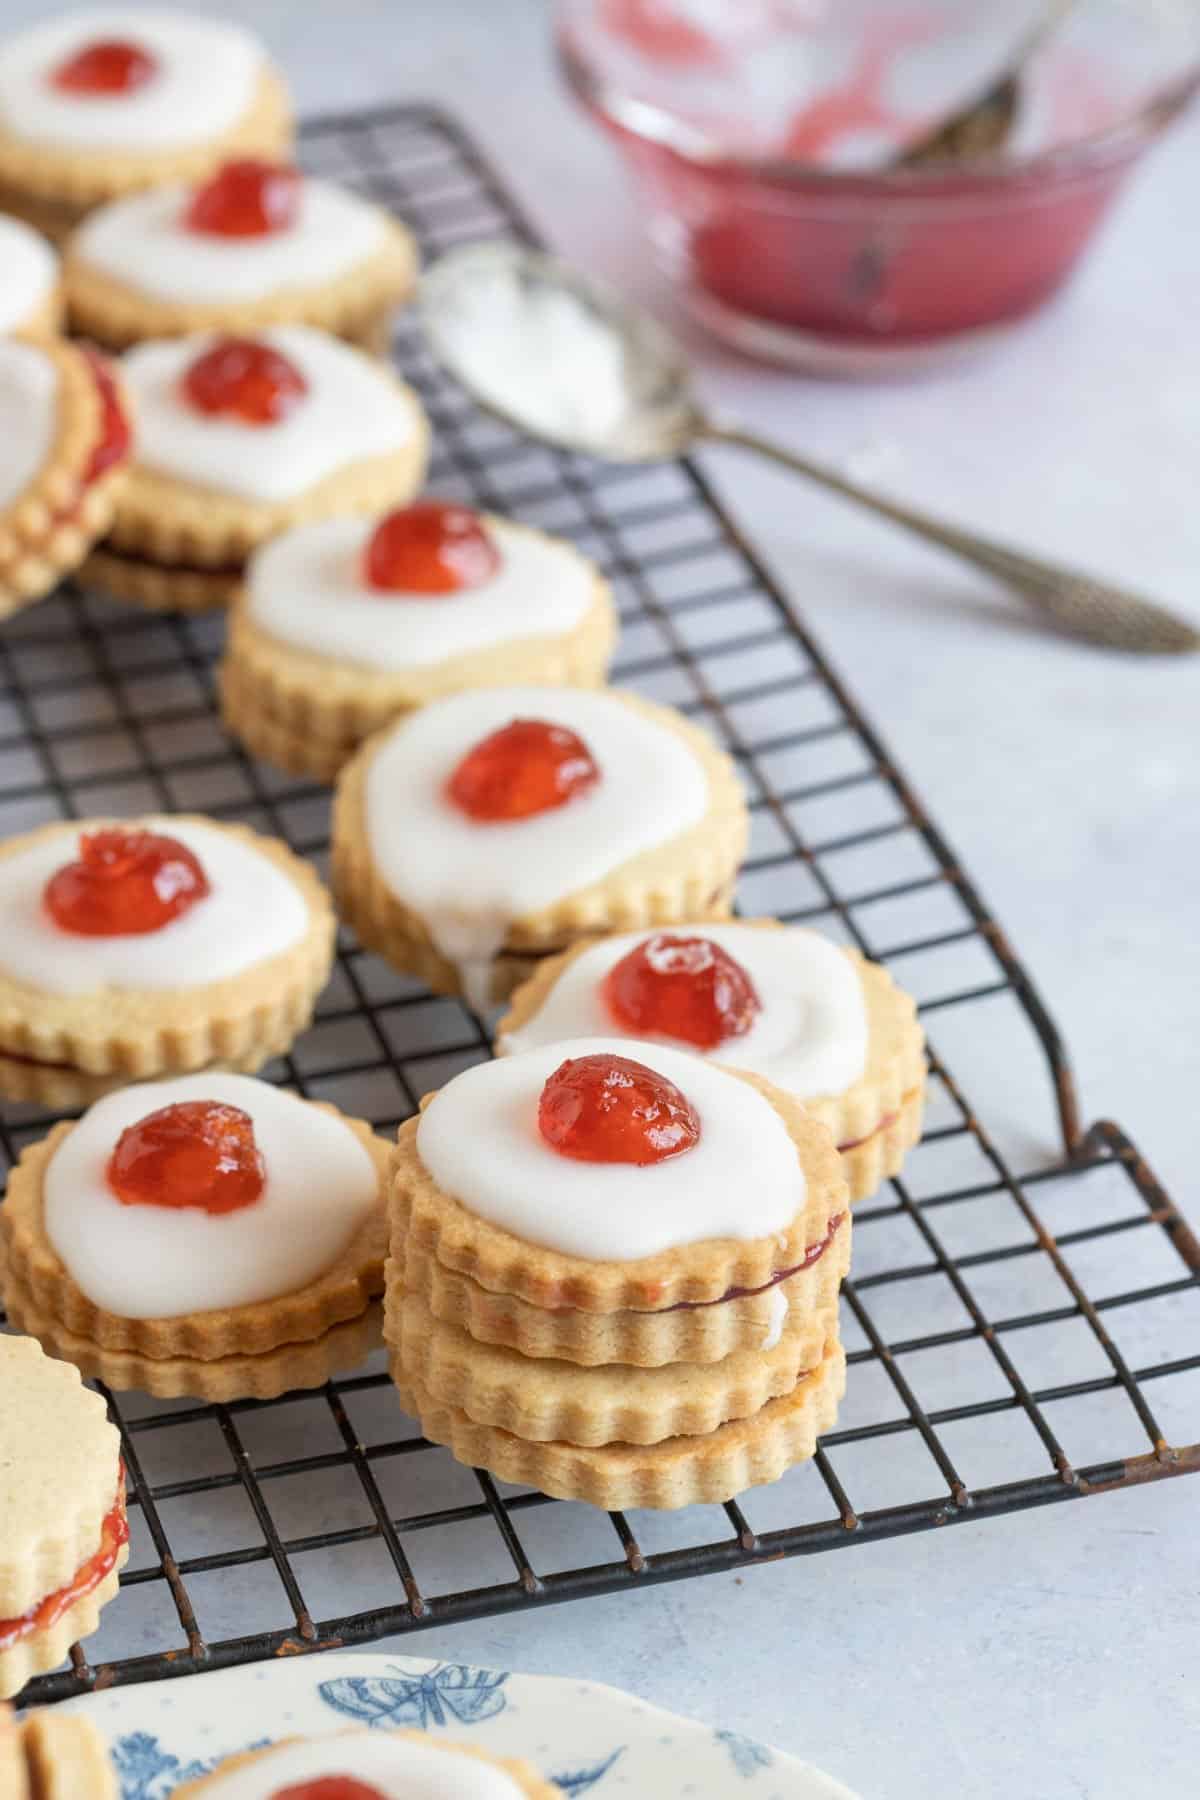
[{"x": 759, "y": 133}]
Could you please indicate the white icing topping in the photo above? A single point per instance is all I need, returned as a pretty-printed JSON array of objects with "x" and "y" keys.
[
  {"x": 810, "y": 1037},
  {"x": 208, "y": 71},
  {"x": 400, "y": 1768},
  {"x": 252, "y": 912},
  {"x": 28, "y": 416},
  {"x": 480, "y": 1141},
  {"x": 29, "y": 269},
  {"x": 143, "y": 242},
  {"x": 158, "y": 1262},
  {"x": 468, "y": 880},
  {"x": 307, "y": 588},
  {"x": 777, "y": 1318},
  {"x": 354, "y": 409}
]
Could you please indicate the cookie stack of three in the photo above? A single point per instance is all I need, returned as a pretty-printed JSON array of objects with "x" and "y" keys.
[{"x": 616, "y": 1280}]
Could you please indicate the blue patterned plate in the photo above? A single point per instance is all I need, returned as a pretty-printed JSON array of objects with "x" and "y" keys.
[{"x": 588, "y": 1738}]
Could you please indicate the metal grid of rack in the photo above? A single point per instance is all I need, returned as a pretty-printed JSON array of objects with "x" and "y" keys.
[{"x": 1014, "y": 1339}]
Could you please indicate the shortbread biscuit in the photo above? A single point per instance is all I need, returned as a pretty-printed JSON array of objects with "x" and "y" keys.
[
  {"x": 67, "y": 1759},
  {"x": 308, "y": 707},
  {"x": 63, "y": 1534},
  {"x": 681, "y": 1471},
  {"x": 342, "y": 1753},
  {"x": 681, "y": 872}
]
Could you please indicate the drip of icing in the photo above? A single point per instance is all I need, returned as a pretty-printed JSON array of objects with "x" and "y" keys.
[
  {"x": 810, "y": 1037},
  {"x": 777, "y": 1318},
  {"x": 30, "y": 271},
  {"x": 150, "y": 1262},
  {"x": 354, "y": 409},
  {"x": 306, "y": 588},
  {"x": 143, "y": 242},
  {"x": 253, "y": 911},
  {"x": 28, "y": 416},
  {"x": 205, "y": 81},
  {"x": 479, "y": 1140},
  {"x": 470, "y": 881},
  {"x": 401, "y": 1768}
]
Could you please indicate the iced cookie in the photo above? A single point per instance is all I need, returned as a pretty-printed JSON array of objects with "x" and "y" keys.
[
  {"x": 348, "y": 624},
  {"x": 604, "y": 1193},
  {"x": 30, "y": 295},
  {"x": 151, "y": 947},
  {"x": 99, "y": 103},
  {"x": 370, "y": 1765},
  {"x": 65, "y": 435},
  {"x": 498, "y": 826},
  {"x": 817, "y": 1020},
  {"x": 240, "y": 438},
  {"x": 63, "y": 1531},
  {"x": 210, "y": 1235},
  {"x": 256, "y": 244}
]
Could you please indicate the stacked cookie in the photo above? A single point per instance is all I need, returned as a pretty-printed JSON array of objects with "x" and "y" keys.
[{"x": 588, "y": 1291}]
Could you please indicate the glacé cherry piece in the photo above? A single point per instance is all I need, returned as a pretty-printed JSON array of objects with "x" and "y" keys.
[
  {"x": 432, "y": 547},
  {"x": 526, "y": 767},
  {"x": 197, "y": 1153},
  {"x": 682, "y": 987},
  {"x": 330, "y": 1787},
  {"x": 106, "y": 66},
  {"x": 115, "y": 434},
  {"x": 246, "y": 380},
  {"x": 124, "y": 884},
  {"x": 246, "y": 198},
  {"x": 611, "y": 1109}
]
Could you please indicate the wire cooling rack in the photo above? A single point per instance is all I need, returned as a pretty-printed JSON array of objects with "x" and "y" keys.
[{"x": 1014, "y": 1338}]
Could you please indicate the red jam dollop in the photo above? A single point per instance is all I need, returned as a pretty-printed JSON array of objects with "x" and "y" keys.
[
  {"x": 330, "y": 1787},
  {"x": 525, "y": 768},
  {"x": 109, "y": 66},
  {"x": 114, "y": 1535},
  {"x": 115, "y": 433},
  {"x": 125, "y": 883},
  {"x": 246, "y": 198},
  {"x": 682, "y": 987},
  {"x": 245, "y": 380},
  {"x": 610, "y": 1109},
  {"x": 197, "y": 1153},
  {"x": 433, "y": 547}
]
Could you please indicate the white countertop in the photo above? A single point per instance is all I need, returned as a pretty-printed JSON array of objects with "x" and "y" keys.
[{"x": 1051, "y": 1653}]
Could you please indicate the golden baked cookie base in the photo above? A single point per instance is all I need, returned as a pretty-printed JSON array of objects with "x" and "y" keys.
[
  {"x": 642, "y": 1340},
  {"x": 66, "y": 1758},
  {"x": 265, "y": 1377},
  {"x": 40, "y": 1289},
  {"x": 64, "y": 1456},
  {"x": 53, "y": 187},
  {"x": 681, "y": 1471},
  {"x": 438, "y": 1225},
  {"x": 315, "y": 711},
  {"x": 689, "y": 876},
  {"x": 46, "y": 319},
  {"x": 141, "y": 1035},
  {"x": 525, "y": 1776},
  {"x": 544, "y": 1400},
  {"x": 157, "y": 588},
  {"x": 868, "y": 1165},
  {"x": 37, "y": 569},
  {"x": 355, "y": 305},
  {"x": 43, "y": 1650}
]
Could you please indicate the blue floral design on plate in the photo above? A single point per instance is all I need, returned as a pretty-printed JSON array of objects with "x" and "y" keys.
[
  {"x": 748, "y": 1755},
  {"x": 455, "y": 1689},
  {"x": 148, "y": 1772}
]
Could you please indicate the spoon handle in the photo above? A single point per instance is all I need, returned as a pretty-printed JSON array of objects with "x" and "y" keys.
[{"x": 1077, "y": 603}]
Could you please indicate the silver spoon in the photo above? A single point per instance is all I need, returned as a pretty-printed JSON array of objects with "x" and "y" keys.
[{"x": 562, "y": 359}]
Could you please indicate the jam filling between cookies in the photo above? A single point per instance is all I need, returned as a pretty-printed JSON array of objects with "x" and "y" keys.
[
  {"x": 610, "y": 1109},
  {"x": 687, "y": 988},
  {"x": 525, "y": 768},
  {"x": 242, "y": 379},
  {"x": 107, "y": 68},
  {"x": 246, "y": 198},
  {"x": 431, "y": 548},
  {"x": 195, "y": 1154},
  {"x": 125, "y": 884},
  {"x": 114, "y": 1535},
  {"x": 812, "y": 1255}
]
